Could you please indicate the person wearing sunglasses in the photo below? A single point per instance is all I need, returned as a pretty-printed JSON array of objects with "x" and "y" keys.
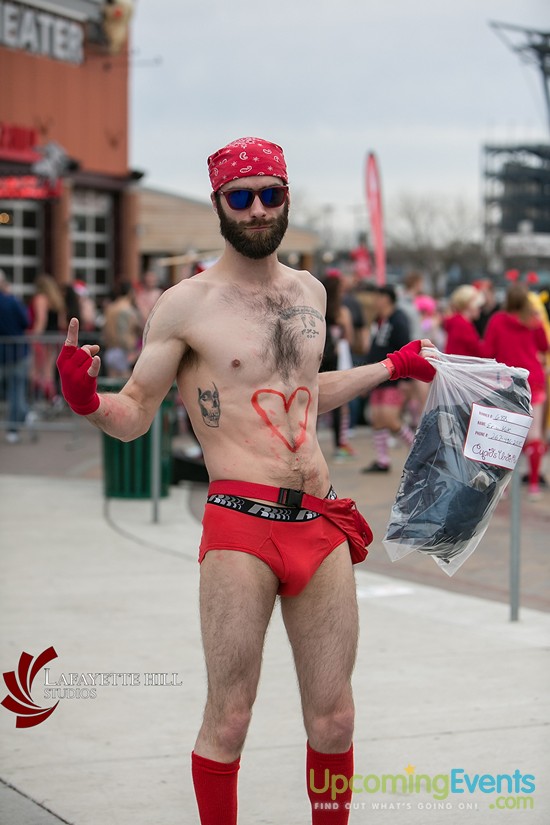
[{"x": 244, "y": 341}]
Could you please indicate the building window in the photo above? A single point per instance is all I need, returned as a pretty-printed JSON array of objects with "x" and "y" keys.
[
  {"x": 92, "y": 231},
  {"x": 21, "y": 245}
]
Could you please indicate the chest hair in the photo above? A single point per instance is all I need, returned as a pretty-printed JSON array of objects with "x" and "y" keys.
[{"x": 285, "y": 325}]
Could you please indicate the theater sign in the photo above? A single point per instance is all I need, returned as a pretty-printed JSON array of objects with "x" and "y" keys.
[{"x": 35, "y": 30}]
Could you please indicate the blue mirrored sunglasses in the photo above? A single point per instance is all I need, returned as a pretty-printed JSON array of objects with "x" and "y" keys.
[{"x": 270, "y": 196}]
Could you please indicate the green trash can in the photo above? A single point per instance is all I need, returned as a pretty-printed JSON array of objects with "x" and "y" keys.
[{"x": 128, "y": 465}]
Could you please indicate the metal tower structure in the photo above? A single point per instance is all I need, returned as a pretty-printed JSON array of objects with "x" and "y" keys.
[
  {"x": 533, "y": 47},
  {"x": 517, "y": 177}
]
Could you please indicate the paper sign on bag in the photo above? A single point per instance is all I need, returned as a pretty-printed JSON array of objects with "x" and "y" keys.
[{"x": 496, "y": 436}]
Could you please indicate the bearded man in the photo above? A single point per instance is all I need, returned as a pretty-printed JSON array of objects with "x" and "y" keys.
[{"x": 253, "y": 330}]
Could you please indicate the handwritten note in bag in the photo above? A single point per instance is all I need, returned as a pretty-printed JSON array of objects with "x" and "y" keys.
[{"x": 496, "y": 436}]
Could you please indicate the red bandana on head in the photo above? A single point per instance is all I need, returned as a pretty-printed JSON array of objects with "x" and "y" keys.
[{"x": 244, "y": 158}]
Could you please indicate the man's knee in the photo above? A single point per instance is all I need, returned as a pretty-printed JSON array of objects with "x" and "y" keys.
[
  {"x": 229, "y": 727},
  {"x": 332, "y": 732}
]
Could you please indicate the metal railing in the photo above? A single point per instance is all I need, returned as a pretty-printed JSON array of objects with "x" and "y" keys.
[{"x": 30, "y": 391}]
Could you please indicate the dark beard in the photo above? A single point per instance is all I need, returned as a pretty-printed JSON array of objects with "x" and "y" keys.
[{"x": 253, "y": 245}]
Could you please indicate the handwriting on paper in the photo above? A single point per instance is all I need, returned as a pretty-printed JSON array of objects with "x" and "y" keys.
[{"x": 496, "y": 436}]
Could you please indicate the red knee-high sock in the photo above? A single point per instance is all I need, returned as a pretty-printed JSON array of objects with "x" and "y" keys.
[
  {"x": 215, "y": 789},
  {"x": 328, "y": 786},
  {"x": 535, "y": 451}
]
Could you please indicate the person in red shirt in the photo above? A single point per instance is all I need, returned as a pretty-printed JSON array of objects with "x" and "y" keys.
[
  {"x": 462, "y": 336},
  {"x": 516, "y": 337}
]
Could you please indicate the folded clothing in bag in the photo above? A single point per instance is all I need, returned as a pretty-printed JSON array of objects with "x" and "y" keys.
[{"x": 477, "y": 416}]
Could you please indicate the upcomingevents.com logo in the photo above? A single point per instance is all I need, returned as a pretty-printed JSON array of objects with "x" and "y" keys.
[{"x": 19, "y": 685}]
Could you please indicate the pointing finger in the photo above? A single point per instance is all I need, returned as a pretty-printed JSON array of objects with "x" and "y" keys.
[{"x": 72, "y": 333}]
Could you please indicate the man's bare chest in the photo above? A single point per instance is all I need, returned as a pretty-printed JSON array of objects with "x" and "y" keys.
[{"x": 264, "y": 332}]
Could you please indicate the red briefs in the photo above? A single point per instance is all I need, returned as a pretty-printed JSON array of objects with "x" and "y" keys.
[{"x": 293, "y": 536}]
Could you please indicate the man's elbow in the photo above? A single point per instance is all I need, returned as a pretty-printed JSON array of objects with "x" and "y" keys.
[
  {"x": 123, "y": 428},
  {"x": 126, "y": 438},
  {"x": 135, "y": 433}
]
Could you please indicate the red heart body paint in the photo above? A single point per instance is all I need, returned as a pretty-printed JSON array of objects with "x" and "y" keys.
[{"x": 260, "y": 401}]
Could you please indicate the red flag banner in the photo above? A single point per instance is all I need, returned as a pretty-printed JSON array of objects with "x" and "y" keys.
[{"x": 374, "y": 203}]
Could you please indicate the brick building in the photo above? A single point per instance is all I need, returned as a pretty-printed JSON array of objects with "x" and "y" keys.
[{"x": 68, "y": 201}]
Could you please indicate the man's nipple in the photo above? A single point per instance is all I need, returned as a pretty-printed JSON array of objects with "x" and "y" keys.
[{"x": 235, "y": 363}]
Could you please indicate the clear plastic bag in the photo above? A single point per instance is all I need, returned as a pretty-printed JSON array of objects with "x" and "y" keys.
[{"x": 475, "y": 422}]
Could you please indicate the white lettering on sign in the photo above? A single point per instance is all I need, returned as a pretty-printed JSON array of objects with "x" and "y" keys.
[
  {"x": 496, "y": 436},
  {"x": 41, "y": 33}
]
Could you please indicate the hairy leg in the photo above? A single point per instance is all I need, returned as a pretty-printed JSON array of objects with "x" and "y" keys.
[
  {"x": 416, "y": 395},
  {"x": 237, "y": 594},
  {"x": 322, "y": 626},
  {"x": 535, "y": 448},
  {"x": 391, "y": 417},
  {"x": 536, "y": 431}
]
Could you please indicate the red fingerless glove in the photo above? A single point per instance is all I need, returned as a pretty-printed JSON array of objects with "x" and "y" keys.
[
  {"x": 79, "y": 389},
  {"x": 409, "y": 364}
]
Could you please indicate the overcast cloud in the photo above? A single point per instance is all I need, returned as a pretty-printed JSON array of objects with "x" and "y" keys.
[{"x": 423, "y": 84}]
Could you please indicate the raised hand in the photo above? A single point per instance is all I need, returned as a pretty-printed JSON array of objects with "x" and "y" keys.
[{"x": 78, "y": 368}]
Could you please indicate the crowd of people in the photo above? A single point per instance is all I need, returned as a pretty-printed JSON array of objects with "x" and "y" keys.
[
  {"x": 470, "y": 322},
  {"x": 33, "y": 331},
  {"x": 364, "y": 323}
]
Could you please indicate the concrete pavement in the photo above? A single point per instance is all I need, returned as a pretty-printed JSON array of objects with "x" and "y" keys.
[{"x": 444, "y": 681}]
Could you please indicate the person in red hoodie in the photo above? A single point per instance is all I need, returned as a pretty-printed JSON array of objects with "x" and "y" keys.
[
  {"x": 516, "y": 337},
  {"x": 462, "y": 336}
]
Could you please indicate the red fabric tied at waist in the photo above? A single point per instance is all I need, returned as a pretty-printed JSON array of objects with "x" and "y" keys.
[{"x": 342, "y": 512}]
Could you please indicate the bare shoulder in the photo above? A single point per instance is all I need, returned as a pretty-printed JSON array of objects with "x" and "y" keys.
[
  {"x": 175, "y": 308},
  {"x": 310, "y": 284}
]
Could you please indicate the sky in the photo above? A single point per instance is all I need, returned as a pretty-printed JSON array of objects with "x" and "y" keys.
[{"x": 424, "y": 85}]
